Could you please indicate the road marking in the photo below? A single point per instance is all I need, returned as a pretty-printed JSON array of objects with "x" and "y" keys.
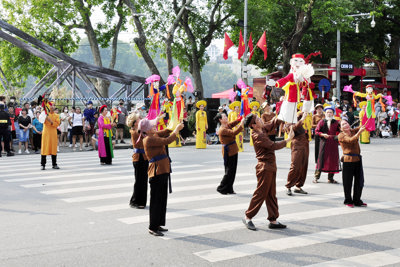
[
  {"x": 376, "y": 259},
  {"x": 214, "y": 209},
  {"x": 238, "y": 251},
  {"x": 293, "y": 217},
  {"x": 129, "y": 185},
  {"x": 124, "y": 177}
]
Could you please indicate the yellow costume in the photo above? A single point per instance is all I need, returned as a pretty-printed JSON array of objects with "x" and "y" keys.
[
  {"x": 364, "y": 137},
  {"x": 177, "y": 142},
  {"x": 49, "y": 135},
  {"x": 233, "y": 117},
  {"x": 201, "y": 125},
  {"x": 308, "y": 126},
  {"x": 254, "y": 104}
]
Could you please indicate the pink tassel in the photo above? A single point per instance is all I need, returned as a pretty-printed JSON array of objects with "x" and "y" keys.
[
  {"x": 176, "y": 71},
  {"x": 348, "y": 88},
  {"x": 241, "y": 84},
  {"x": 232, "y": 95},
  {"x": 170, "y": 79},
  {"x": 152, "y": 78},
  {"x": 189, "y": 85}
]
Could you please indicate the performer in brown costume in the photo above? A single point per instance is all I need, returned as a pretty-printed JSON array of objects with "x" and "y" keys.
[
  {"x": 158, "y": 172},
  {"x": 229, "y": 151},
  {"x": 267, "y": 116},
  {"x": 300, "y": 151},
  {"x": 265, "y": 170},
  {"x": 352, "y": 164}
]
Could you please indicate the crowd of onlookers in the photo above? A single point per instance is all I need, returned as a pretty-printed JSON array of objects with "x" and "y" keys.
[{"x": 77, "y": 126}]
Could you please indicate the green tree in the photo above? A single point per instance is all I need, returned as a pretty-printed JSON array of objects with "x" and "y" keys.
[{"x": 57, "y": 22}]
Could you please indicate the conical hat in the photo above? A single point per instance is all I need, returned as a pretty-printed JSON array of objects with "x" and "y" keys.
[
  {"x": 254, "y": 103},
  {"x": 201, "y": 102},
  {"x": 234, "y": 104}
]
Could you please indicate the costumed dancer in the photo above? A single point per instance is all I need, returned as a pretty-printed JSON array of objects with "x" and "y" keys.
[
  {"x": 227, "y": 135},
  {"x": 267, "y": 116},
  {"x": 265, "y": 171},
  {"x": 254, "y": 106},
  {"x": 365, "y": 135},
  {"x": 158, "y": 172},
  {"x": 50, "y": 121},
  {"x": 105, "y": 146},
  {"x": 299, "y": 158},
  {"x": 232, "y": 117},
  {"x": 201, "y": 124},
  {"x": 319, "y": 115},
  {"x": 163, "y": 122},
  {"x": 368, "y": 118},
  {"x": 299, "y": 76},
  {"x": 328, "y": 130},
  {"x": 352, "y": 164},
  {"x": 140, "y": 164}
]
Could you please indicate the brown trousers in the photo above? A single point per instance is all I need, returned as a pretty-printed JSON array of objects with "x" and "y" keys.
[
  {"x": 298, "y": 168},
  {"x": 266, "y": 191}
]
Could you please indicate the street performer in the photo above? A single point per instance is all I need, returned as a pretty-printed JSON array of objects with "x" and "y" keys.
[
  {"x": 328, "y": 156},
  {"x": 49, "y": 137},
  {"x": 265, "y": 170},
  {"x": 158, "y": 172},
  {"x": 352, "y": 164},
  {"x": 227, "y": 136},
  {"x": 300, "y": 149}
]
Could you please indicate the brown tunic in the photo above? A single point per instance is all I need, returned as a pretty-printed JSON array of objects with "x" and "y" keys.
[
  {"x": 139, "y": 145},
  {"x": 266, "y": 174},
  {"x": 300, "y": 151},
  {"x": 268, "y": 117},
  {"x": 315, "y": 119},
  {"x": 350, "y": 145},
  {"x": 227, "y": 135},
  {"x": 155, "y": 146}
]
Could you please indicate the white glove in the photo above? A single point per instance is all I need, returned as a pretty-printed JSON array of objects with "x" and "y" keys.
[
  {"x": 270, "y": 82},
  {"x": 306, "y": 71}
]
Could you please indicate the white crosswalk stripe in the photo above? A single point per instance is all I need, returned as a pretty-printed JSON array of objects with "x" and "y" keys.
[
  {"x": 376, "y": 259},
  {"x": 233, "y": 252}
]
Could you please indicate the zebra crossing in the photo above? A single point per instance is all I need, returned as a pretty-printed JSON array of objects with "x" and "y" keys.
[{"x": 196, "y": 212}]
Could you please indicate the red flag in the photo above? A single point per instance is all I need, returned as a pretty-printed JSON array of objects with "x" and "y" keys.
[
  {"x": 227, "y": 44},
  {"x": 241, "y": 48},
  {"x": 250, "y": 45},
  {"x": 262, "y": 44}
]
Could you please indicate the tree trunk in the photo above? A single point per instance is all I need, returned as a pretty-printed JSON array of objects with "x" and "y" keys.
[
  {"x": 394, "y": 52},
  {"x": 141, "y": 40},
  {"x": 291, "y": 43}
]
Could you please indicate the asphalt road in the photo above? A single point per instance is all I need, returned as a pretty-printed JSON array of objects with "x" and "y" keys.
[{"x": 79, "y": 215}]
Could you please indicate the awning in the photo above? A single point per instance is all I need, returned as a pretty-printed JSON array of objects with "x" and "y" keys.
[
  {"x": 380, "y": 85},
  {"x": 227, "y": 93}
]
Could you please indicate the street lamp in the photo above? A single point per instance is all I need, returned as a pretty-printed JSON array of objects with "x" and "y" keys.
[{"x": 373, "y": 23}]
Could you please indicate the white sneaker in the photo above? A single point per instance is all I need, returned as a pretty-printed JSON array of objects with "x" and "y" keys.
[
  {"x": 70, "y": 145},
  {"x": 27, "y": 151},
  {"x": 19, "y": 151},
  {"x": 58, "y": 149},
  {"x": 76, "y": 145}
]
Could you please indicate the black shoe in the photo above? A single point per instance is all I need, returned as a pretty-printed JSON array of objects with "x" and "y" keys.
[
  {"x": 133, "y": 206},
  {"x": 289, "y": 192},
  {"x": 277, "y": 225},
  {"x": 249, "y": 224},
  {"x": 156, "y": 233},
  {"x": 300, "y": 191},
  {"x": 122, "y": 142},
  {"x": 162, "y": 229},
  {"x": 10, "y": 154},
  {"x": 116, "y": 141},
  {"x": 56, "y": 167},
  {"x": 43, "y": 168},
  {"x": 221, "y": 192}
]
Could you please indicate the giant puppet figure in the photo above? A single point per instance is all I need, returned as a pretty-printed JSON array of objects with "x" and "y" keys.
[
  {"x": 368, "y": 118},
  {"x": 296, "y": 86}
]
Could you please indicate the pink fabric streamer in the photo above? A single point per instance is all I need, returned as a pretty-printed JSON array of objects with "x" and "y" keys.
[
  {"x": 232, "y": 95},
  {"x": 152, "y": 78},
  {"x": 240, "y": 83},
  {"x": 389, "y": 100},
  {"x": 176, "y": 71},
  {"x": 348, "y": 88},
  {"x": 189, "y": 85},
  {"x": 170, "y": 79}
]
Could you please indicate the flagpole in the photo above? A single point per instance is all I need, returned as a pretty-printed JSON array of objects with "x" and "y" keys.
[{"x": 244, "y": 63}]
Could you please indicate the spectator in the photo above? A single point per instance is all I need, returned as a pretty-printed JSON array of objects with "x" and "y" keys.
[
  {"x": 123, "y": 112},
  {"x": 64, "y": 117},
  {"x": 350, "y": 115},
  {"x": 77, "y": 120},
  {"x": 24, "y": 122},
  {"x": 37, "y": 128},
  {"x": 5, "y": 124},
  {"x": 71, "y": 112},
  {"x": 189, "y": 104},
  {"x": 95, "y": 139},
  {"x": 90, "y": 121},
  {"x": 13, "y": 134}
]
